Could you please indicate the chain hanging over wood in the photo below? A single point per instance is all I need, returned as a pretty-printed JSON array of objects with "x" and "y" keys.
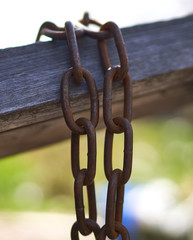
[
  {"x": 83, "y": 177},
  {"x": 117, "y": 178}
]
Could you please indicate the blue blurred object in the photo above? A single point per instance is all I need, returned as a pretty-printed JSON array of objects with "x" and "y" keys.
[
  {"x": 154, "y": 211},
  {"x": 129, "y": 217}
]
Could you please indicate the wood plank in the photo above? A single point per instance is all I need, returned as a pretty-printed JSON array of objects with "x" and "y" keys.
[
  {"x": 55, "y": 130},
  {"x": 161, "y": 66}
]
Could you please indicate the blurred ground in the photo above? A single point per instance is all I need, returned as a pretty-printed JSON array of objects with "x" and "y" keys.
[
  {"x": 36, "y": 225},
  {"x": 30, "y": 226}
]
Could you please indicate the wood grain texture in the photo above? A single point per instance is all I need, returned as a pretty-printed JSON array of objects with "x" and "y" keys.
[
  {"x": 161, "y": 67},
  {"x": 55, "y": 130}
]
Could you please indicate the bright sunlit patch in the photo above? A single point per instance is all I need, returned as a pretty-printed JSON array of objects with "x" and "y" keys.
[
  {"x": 28, "y": 194},
  {"x": 145, "y": 151},
  {"x": 182, "y": 125}
]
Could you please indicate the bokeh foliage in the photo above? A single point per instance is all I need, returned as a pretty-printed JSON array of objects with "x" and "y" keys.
[{"x": 42, "y": 179}]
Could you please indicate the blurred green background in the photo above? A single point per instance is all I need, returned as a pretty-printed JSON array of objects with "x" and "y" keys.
[{"x": 41, "y": 180}]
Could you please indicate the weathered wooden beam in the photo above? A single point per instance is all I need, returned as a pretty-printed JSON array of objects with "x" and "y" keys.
[{"x": 161, "y": 66}]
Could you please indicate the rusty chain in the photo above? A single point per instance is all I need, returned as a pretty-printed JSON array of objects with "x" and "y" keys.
[
  {"x": 117, "y": 178},
  {"x": 83, "y": 177}
]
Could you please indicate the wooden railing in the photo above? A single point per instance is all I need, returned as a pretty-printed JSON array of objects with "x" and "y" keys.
[{"x": 161, "y": 66}]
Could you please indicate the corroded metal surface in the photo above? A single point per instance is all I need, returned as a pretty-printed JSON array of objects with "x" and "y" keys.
[{"x": 85, "y": 177}]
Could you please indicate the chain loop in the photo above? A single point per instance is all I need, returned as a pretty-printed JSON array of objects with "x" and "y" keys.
[
  {"x": 86, "y": 20},
  {"x": 65, "y": 85},
  {"x": 113, "y": 208},
  {"x": 92, "y": 225},
  {"x": 107, "y": 100},
  {"x": 122, "y": 52},
  {"x": 49, "y": 29},
  {"x": 74, "y": 53},
  {"x": 91, "y": 138},
  {"x": 120, "y": 228},
  {"x": 46, "y": 25},
  {"x": 128, "y": 150},
  {"x": 79, "y": 202},
  {"x": 100, "y": 35}
]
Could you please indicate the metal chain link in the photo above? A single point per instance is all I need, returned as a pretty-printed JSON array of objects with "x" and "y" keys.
[
  {"x": 85, "y": 177},
  {"x": 117, "y": 178},
  {"x": 124, "y": 62},
  {"x": 49, "y": 29}
]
